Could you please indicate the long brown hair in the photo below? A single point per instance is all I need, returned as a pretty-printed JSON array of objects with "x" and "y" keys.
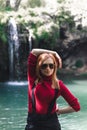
[{"x": 41, "y": 58}]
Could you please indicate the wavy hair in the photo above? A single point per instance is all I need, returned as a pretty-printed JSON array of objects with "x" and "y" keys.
[{"x": 41, "y": 58}]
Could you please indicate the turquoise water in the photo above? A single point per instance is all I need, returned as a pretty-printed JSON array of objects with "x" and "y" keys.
[
  {"x": 76, "y": 121},
  {"x": 13, "y": 106}
]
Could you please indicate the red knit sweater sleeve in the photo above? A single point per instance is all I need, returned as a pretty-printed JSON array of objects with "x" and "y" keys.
[
  {"x": 31, "y": 77},
  {"x": 31, "y": 67},
  {"x": 69, "y": 97}
]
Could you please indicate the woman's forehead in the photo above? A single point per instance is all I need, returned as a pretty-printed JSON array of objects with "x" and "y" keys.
[{"x": 48, "y": 60}]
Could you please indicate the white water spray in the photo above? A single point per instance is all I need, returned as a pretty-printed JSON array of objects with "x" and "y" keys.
[{"x": 13, "y": 47}]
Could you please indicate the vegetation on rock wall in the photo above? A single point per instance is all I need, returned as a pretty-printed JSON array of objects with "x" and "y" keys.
[
  {"x": 51, "y": 28},
  {"x": 40, "y": 21},
  {"x": 3, "y": 34}
]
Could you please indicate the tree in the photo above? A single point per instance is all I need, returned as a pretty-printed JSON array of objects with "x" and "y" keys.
[
  {"x": 8, "y": 3},
  {"x": 17, "y": 3}
]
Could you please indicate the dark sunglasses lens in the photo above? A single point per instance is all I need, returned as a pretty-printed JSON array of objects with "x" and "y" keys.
[
  {"x": 51, "y": 66},
  {"x": 44, "y": 66}
]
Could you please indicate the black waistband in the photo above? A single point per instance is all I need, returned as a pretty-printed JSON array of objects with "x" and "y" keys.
[{"x": 35, "y": 116}]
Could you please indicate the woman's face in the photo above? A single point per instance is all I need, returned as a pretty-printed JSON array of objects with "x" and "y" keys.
[{"x": 47, "y": 67}]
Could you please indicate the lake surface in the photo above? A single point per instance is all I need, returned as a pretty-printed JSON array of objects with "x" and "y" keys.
[{"x": 13, "y": 106}]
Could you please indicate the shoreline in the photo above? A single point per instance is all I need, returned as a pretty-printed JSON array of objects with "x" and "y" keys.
[{"x": 69, "y": 75}]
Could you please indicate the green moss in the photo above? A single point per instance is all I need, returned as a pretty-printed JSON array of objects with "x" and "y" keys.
[
  {"x": 79, "y": 63},
  {"x": 3, "y": 35}
]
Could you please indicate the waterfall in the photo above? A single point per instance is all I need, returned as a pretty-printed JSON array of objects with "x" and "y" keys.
[
  {"x": 19, "y": 39},
  {"x": 30, "y": 42},
  {"x": 13, "y": 42},
  {"x": 29, "y": 39}
]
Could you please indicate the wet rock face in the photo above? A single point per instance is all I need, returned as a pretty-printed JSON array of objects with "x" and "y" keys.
[
  {"x": 71, "y": 47},
  {"x": 74, "y": 59},
  {"x": 20, "y": 69},
  {"x": 3, "y": 61}
]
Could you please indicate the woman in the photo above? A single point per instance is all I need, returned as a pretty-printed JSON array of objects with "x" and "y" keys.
[{"x": 44, "y": 89}]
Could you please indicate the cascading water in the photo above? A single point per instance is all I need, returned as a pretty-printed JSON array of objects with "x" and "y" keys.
[
  {"x": 13, "y": 42},
  {"x": 19, "y": 49},
  {"x": 30, "y": 41}
]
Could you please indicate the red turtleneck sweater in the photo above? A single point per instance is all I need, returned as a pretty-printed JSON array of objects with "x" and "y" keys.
[{"x": 44, "y": 93}]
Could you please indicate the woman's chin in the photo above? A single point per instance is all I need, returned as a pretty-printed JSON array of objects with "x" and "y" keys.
[{"x": 47, "y": 74}]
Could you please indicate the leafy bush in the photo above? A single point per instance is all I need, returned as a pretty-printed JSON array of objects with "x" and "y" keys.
[
  {"x": 34, "y": 3},
  {"x": 47, "y": 39}
]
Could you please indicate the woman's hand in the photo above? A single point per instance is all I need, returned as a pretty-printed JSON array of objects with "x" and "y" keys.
[
  {"x": 40, "y": 51},
  {"x": 65, "y": 110}
]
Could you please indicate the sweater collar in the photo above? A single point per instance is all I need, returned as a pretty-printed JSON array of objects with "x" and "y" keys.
[{"x": 47, "y": 78}]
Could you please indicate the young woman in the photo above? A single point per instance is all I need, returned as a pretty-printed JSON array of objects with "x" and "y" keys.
[{"x": 44, "y": 89}]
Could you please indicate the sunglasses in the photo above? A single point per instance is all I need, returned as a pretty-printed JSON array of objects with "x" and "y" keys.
[{"x": 44, "y": 66}]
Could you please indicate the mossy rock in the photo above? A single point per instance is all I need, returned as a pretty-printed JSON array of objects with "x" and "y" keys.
[{"x": 79, "y": 63}]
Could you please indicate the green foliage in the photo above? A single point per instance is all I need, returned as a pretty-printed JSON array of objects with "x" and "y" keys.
[
  {"x": 60, "y": 1},
  {"x": 44, "y": 35},
  {"x": 79, "y": 64},
  {"x": 65, "y": 17},
  {"x": 32, "y": 13},
  {"x": 3, "y": 35},
  {"x": 35, "y": 25},
  {"x": 8, "y": 9},
  {"x": 19, "y": 16},
  {"x": 44, "y": 39},
  {"x": 47, "y": 39},
  {"x": 1, "y": 5},
  {"x": 34, "y": 3}
]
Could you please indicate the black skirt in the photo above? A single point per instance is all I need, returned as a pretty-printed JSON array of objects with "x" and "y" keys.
[{"x": 42, "y": 122}]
